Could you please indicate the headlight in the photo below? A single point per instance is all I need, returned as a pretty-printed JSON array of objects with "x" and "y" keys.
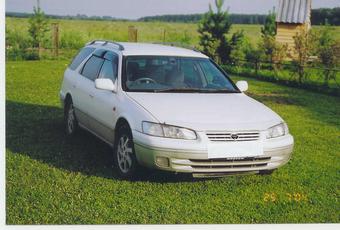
[
  {"x": 169, "y": 131},
  {"x": 277, "y": 131}
]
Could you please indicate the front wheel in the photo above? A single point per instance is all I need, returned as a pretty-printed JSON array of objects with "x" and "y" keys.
[{"x": 125, "y": 161}]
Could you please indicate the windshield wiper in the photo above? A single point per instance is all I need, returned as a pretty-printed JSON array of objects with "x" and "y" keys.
[
  {"x": 176, "y": 90},
  {"x": 221, "y": 91},
  {"x": 195, "y": 90}
]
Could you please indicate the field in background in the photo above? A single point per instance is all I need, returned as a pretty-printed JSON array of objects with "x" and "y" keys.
[
  {"x": 75, "y": 33},
  {"x": 52, "y": 180},
  {"x": 83, "y": 31}
]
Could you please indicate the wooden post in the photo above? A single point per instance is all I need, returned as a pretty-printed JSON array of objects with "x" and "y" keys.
[
  {"x": 55, "y": 39},
  {"x": 164, "y": 33},
  {"x": 133, "y": 34}
]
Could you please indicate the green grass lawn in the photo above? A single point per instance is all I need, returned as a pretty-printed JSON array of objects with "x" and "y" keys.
[{"x": 52, "y": 180}]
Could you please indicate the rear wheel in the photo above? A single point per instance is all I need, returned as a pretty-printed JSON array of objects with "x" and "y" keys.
[
  {"x": 71, "y": 123},
  {"x": 125, "y": 161}
]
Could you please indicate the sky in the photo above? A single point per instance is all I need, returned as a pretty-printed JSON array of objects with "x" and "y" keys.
[{"x": 134, "y": 9}]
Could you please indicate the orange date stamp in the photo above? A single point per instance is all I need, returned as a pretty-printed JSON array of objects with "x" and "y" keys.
[{"x": 289, "y": 196}]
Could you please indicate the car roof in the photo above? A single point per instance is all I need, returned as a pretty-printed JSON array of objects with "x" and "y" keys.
[{"x": 147, "y": 49}]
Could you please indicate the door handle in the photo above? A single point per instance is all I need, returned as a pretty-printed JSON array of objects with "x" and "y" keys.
[{"x": 91, "y": 96}]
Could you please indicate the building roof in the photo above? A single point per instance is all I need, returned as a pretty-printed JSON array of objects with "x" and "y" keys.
[
  {"x": 294, "y": 11},
  {"x": 141, "y": 49}
]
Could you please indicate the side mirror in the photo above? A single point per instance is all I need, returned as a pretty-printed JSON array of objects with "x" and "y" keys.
[
  {"x": 242, "y": 85},
  {"x": 105, "y": 84}
]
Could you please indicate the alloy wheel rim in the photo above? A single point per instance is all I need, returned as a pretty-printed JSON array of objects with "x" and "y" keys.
[{"x": 124, "y": 153}]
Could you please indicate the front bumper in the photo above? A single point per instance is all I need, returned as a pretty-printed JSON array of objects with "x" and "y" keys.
[{"x": 277, "y": 152}]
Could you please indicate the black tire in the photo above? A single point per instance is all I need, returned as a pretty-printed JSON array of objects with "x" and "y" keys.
[
  {"x": 125, "y": 161},
  {"x": 266, "y": 172},
  {"x": 70, "y": 120}
]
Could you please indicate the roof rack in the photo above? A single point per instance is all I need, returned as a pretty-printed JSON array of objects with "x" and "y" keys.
[
  {"x": 177, "y": 44},
  {"x": 105, "y": 42}
]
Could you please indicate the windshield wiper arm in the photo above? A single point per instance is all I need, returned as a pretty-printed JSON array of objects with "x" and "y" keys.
[{"x": 177, "y": 90}]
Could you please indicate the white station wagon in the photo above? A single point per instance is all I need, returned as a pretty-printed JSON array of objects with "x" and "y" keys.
[{"x": 172, "y": 109}]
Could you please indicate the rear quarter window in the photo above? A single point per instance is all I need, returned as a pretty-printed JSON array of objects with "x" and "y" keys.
[{"x": 85, "y": 52}]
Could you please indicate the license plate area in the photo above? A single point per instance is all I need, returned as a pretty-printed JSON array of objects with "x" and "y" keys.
[{"x": 235, "y": 149}]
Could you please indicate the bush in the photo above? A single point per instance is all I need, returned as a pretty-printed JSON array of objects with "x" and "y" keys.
[
  {"x": 254, "y": 56},
  {"x": 31, "y": 54},
  {"x": 304, "y": 47},
  {"x": 238, "y": 45},
  {"x": 17, "y": 45},
  {"x": 185, "y": 39},
  {"x": 328, "y": 52},
  {"x": 274, "y": 52},
  {"x": 71, "y": 40}
]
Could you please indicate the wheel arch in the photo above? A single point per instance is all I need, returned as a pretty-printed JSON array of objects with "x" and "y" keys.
[
  {"x": 68, "y": 98},
  {"x": 121, "y": 121}
]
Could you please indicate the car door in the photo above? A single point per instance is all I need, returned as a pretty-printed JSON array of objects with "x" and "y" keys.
[
  {"x": 105, "y": 102},
  {"x": 85, "y": 89},
  {"x": 72, "y": 77}
]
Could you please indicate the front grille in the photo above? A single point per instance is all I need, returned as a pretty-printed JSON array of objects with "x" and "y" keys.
[
  {"x": 228, "y": 166},
  {"x": 224, "y": 164},
  {"x": 240, "y": 136},
  {"x": 232, "y": 159},
  {"x": 247, "y": 162}
]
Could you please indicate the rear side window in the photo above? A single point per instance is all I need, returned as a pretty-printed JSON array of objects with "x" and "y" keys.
[
  {"x": 85, "y": 52},
  {"x": 92, "y": 67}
]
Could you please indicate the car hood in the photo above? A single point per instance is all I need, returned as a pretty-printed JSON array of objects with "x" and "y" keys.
[{"x": 208, "y": 112}]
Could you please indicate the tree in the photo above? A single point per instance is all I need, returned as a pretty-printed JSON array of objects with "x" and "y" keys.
[
  {"x": 254, "y": 56},
  {"x": 323, "y": 15},
  {"x": 38, "y": 26},
  {"x": 213, "y": 29},
  {"x": 274, "y": 52},
  {"x": 269, "y": 28},
  {"x": 328, "y": 52},
  {"x": 280, "y": 53},
  {"x": 238, "y": 46},
  {"x": 304, "y": 47}
]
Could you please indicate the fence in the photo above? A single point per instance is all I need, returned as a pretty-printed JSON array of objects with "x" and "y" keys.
[
  {"x": 49, "y": 53},
  {"x": 283, "y": 73},
  {"x": 287, "y": 74},
  {"x": 19, "y": 49}
]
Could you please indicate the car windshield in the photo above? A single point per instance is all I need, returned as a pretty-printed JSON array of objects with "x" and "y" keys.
[{"x": 175, "y": 74}]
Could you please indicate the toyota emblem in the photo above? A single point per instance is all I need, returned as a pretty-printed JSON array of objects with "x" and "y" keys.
[{"x": 234, "y": 136}]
